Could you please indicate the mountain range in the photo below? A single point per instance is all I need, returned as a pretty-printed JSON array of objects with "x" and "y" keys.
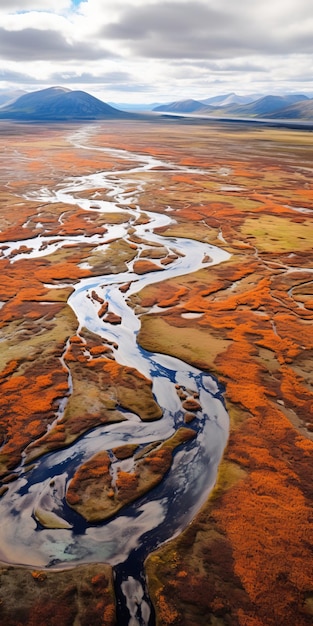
[
  {"x": 59, "y": 104},
  {"x": 62, "y": 104},
  {"x": 292, "y": 106}
]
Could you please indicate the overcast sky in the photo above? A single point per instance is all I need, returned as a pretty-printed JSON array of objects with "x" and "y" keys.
[{"x": 158, "y": 50}]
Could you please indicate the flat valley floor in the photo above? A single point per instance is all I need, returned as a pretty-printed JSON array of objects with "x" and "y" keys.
[{"x": 246, "y": 557}]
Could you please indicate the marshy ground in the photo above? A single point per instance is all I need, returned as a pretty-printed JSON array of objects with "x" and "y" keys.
[{"x": 246, "y": 559}]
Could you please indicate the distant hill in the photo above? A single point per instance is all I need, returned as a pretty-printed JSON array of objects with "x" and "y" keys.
[
  {"x": 62, "y": 104},
  {"x": 228, "y": 106},
  {"x": 298, "y": 111},
  {"x": 263, "y": 107},
  {"x": 229, "y": 98},
  {"x": 57, "y": 104},
  {"x": 296, "y": 97},
  {"x": 180, "y": 106}
]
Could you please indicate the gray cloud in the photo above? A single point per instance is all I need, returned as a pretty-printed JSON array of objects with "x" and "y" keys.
[
  {"x": 31, "y": 44},
  {"x": 177, "y": 47},
  {"x": 237, "y": 66},
  {"x": 17, "y": 77},
  {"x": 32, "y": 5},
  {"x": 167, "y": 29},
  {"x": 196, "y": 30},
  {"x": 87, "y": 77},
  {"x": 222, "y": 65},
  {"x": 168, "y": 18},
  {"x": 117, "y": 80}
]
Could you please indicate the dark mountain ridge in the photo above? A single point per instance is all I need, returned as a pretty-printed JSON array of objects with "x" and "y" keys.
[
  {"x": 57, "y": 104},
  {"x": 266, "y": 106},
  {"x": 298, "y": 111},
  {"x": 62, "y": 104}
]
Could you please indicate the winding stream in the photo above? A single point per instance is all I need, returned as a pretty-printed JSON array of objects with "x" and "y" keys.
[{"x": 126, "y": 540}]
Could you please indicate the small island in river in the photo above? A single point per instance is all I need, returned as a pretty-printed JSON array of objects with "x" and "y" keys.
[{"x": 156, "y": 417}]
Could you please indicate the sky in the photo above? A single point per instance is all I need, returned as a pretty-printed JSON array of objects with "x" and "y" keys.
[{"x": 157, "y": 50}]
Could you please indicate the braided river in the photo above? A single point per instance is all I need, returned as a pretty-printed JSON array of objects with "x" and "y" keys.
[{"x": 125, "y": 540}]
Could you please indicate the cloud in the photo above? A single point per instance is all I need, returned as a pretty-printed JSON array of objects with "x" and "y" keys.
[
  {"x": 169, "y": 29},
  {"x": 12, "y": 6},
  {"x": 86, "y": 77},
  {"x": 199, "y": 29},
  {"x": 31, "y": 44},
  {"x": 168, "y": 48},
  {"x": 101, "y": 84},
  {"x": 237, "y": 65},
  {"x": 114, "y": 80},
  {"x": 20, "y": 78}
]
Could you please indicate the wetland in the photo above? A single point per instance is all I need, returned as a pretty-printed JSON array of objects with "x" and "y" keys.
[{"x": 156, "y": 374}]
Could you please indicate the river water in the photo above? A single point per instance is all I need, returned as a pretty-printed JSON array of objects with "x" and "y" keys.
[{"x": 125, "y": 540}]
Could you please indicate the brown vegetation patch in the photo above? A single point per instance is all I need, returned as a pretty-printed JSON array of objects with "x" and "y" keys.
[
  {"x": 96, "y": 496},
  {"x": 84, "y": 595},
  {"x": 143, "y": 267},
  {"x": 100, "y": 388}
]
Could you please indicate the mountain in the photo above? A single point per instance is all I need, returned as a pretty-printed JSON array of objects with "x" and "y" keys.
[
  {"x": 262, "y": 107},
  {"x": 8, "y": 95},
  {"x": 295, "y": 97},
  {"x": 229, "y": 98},
  {"x": 228, "y": 106},
  {"x": 62, "y": 104},
  {"x": 299, "y": 111},
  {"x": 180, "y": 106},
  {"x": 58, "y": 104}
]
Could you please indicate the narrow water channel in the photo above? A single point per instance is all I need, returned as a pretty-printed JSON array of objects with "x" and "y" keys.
[{"x": 125, "y": 540}]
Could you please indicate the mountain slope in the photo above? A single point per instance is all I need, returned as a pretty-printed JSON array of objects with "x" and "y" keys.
[
  {"x": 180, "y": 106},
  {"x": 58, "y": 103},
  {"x": 298, "y": 111},
  {"x": 229, "y": 98},
  {"x": 262, "y": 107},
  {"x": 7, "y": 96},
  {"x": 232, "y": 106}
]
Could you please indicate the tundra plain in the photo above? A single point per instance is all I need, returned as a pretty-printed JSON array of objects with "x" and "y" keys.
[{"x": 246, "y": 557}]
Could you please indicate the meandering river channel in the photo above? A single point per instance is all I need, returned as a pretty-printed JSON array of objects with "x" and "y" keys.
[{"x": 125, "y": 540}]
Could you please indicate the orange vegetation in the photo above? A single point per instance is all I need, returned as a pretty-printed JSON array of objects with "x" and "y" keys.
[
  {"x": 246, "y": 560},
  {"x": 247, "y": 555},
  {"x": 29, "y": 403},
  {"x": 97, "y": 495},
  {"x": 144, "y": 266}
]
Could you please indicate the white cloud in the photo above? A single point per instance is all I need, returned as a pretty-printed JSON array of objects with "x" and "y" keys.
[
  {"x": 39, "y": 20},
  {"x": 13, "y": 6},
  {"x": 178, "y": 48}
]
